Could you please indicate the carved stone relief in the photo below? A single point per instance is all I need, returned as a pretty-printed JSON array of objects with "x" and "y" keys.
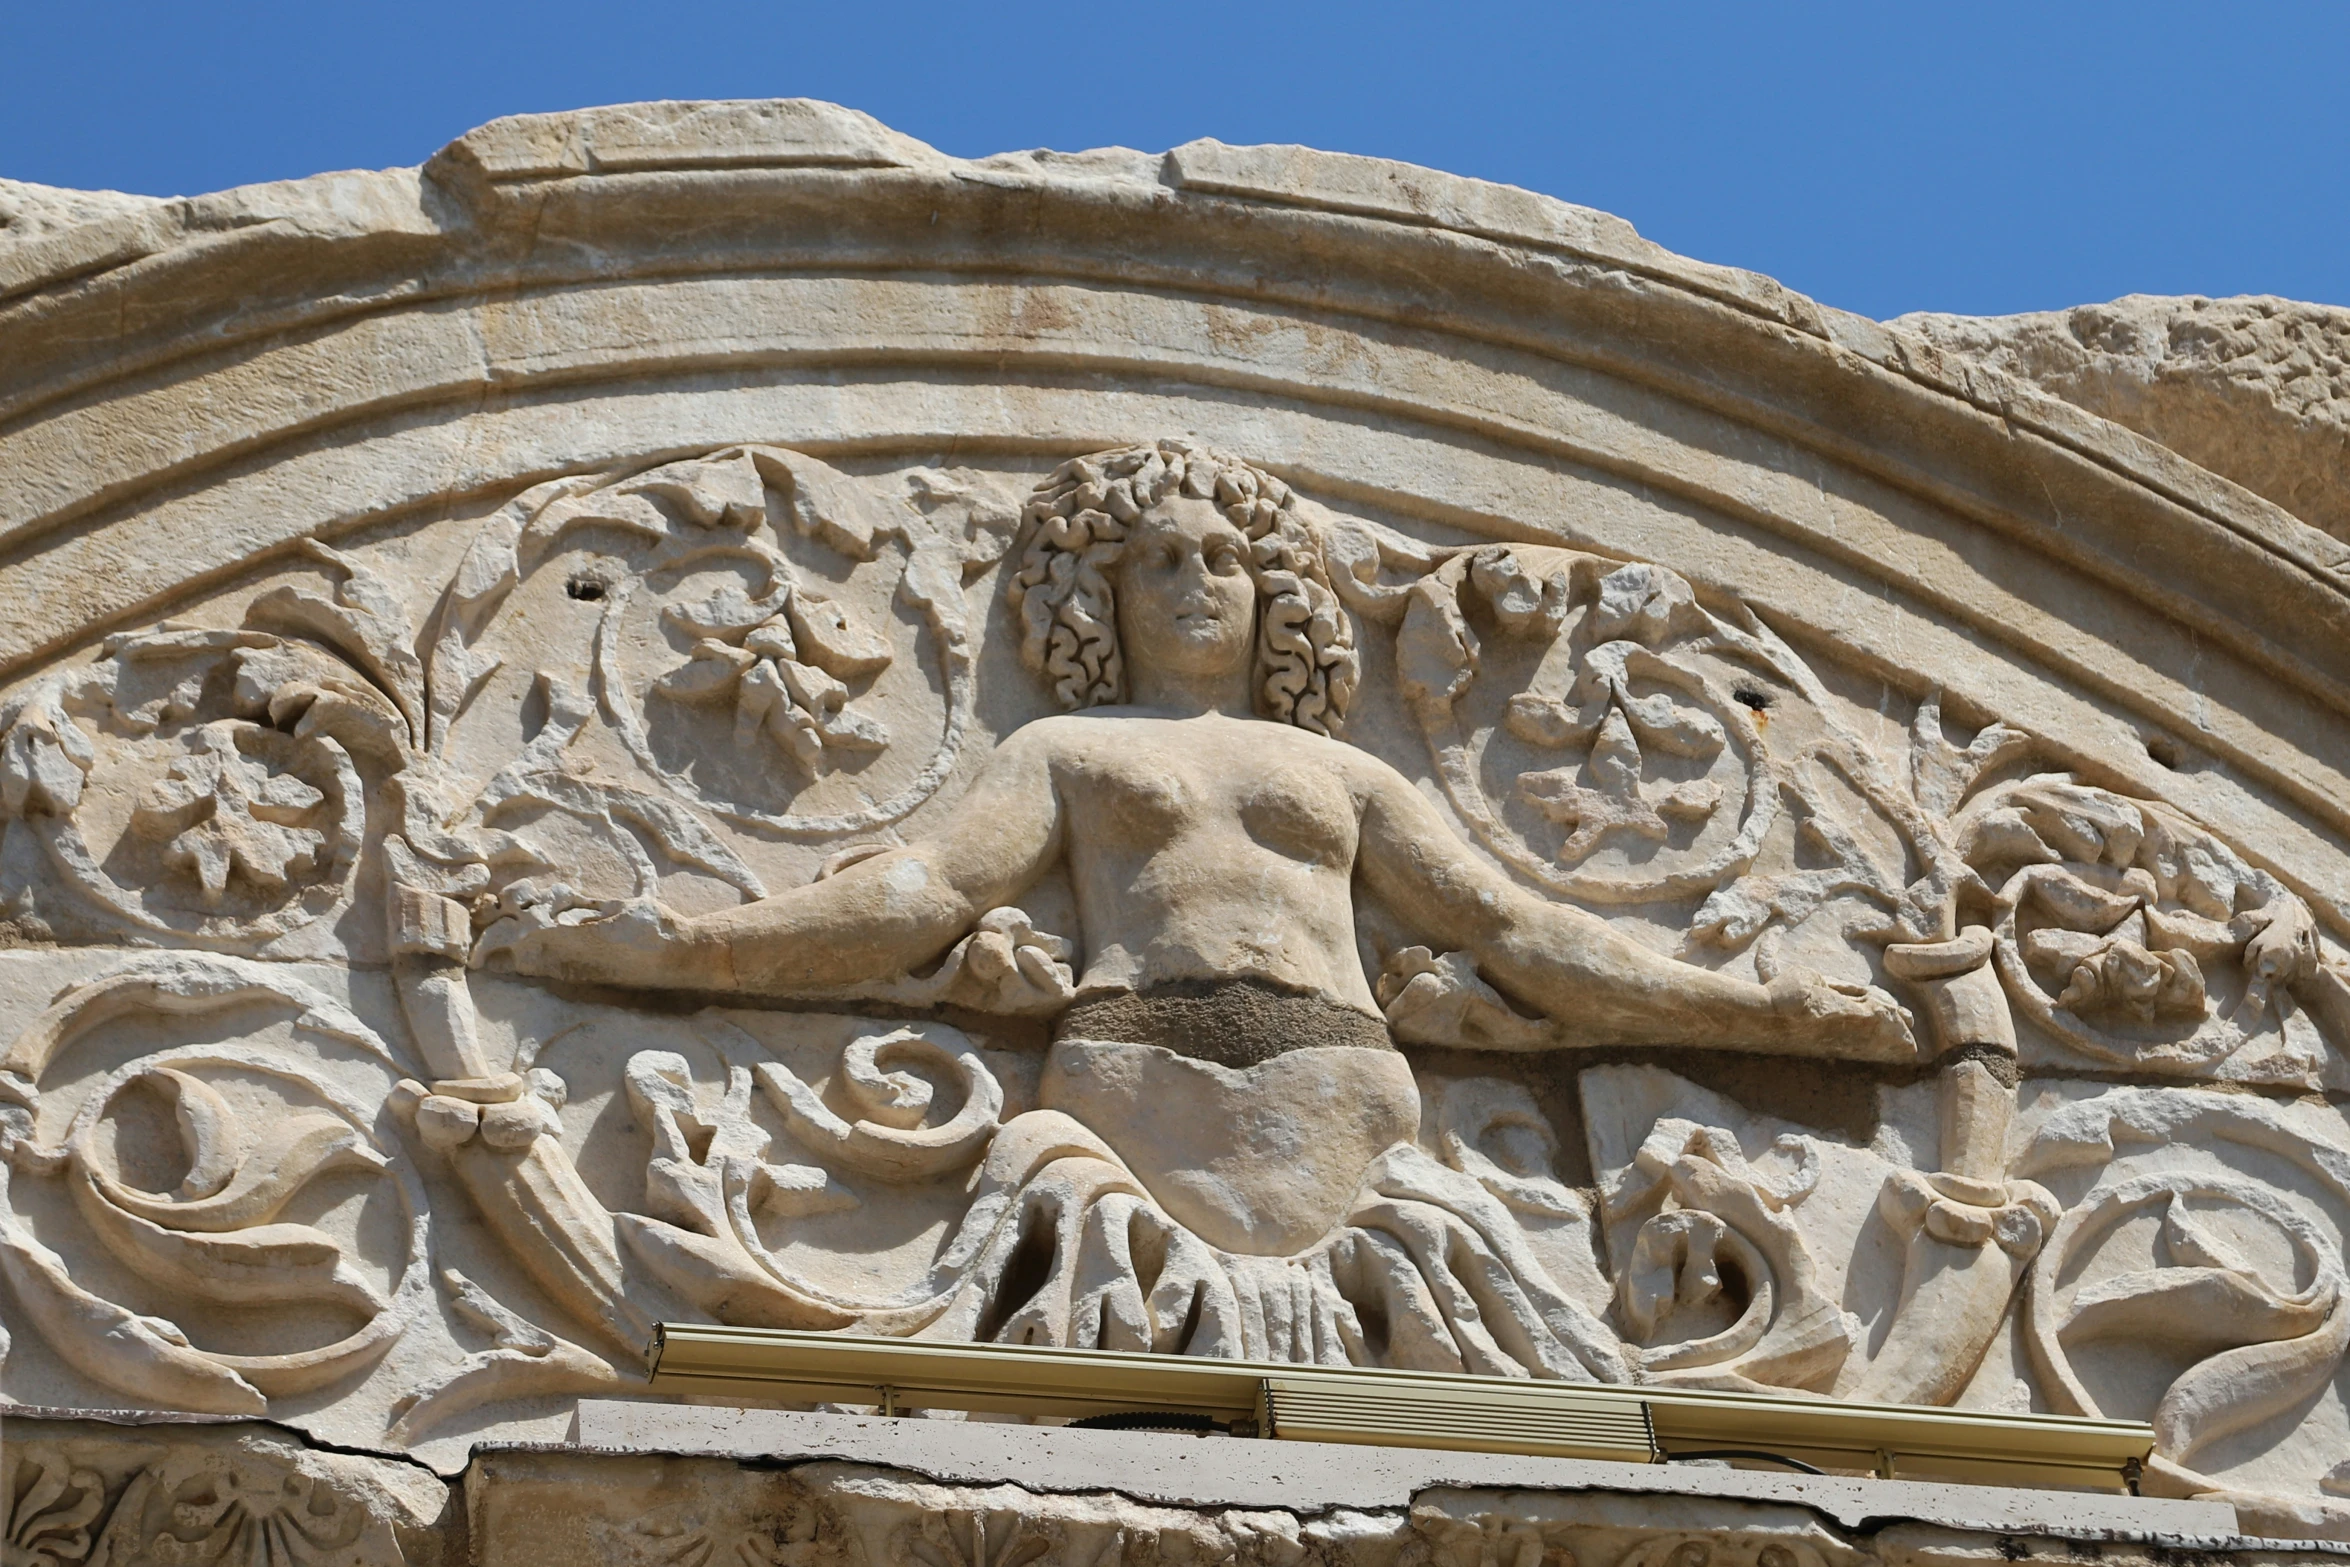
[
  {"x": 209, "y": 1497},
  {"x": 649, "y": 717},
  {"x": 529, "y": 1506},
  {"x": 1122, "y": 890}
]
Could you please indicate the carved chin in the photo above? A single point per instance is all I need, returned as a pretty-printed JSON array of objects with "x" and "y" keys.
[
  {"x": 1203, "y": 646},
  {"x": 1262, "y": 1161}
]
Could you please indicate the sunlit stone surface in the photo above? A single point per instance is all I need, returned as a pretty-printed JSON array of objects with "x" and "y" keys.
[{"x": 698, "y": 712}]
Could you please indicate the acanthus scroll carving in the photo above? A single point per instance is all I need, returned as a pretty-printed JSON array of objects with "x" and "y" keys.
[
  {"x": 257, "y": 1129},
  {"x": 1637, "y": 763},
  {"x": 715, "y": 728},
  {"x": 691, "y": 557}
]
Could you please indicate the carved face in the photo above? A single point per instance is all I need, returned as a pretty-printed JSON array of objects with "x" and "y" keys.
[{"x": 1186, "y": 601}]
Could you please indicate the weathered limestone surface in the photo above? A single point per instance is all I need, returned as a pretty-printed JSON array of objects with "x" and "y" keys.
[
  {"x": 1176, "y": 1470},
  {"x": 699, "y": 712},
  {"x": 2255, "y": 389}
]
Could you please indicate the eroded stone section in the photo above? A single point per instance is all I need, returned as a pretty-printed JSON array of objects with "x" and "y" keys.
[
  {"x": 77, "y": 1492},
  {"x": 2256, "y": 389}
]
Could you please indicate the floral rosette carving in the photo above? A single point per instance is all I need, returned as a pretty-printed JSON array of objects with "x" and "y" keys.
[
  {"x": 1592, "y": 724},
  {"x": 209, "y": 787},
  {"x": 2138, "y": 937},
  {"x": 738, "y": 619}
]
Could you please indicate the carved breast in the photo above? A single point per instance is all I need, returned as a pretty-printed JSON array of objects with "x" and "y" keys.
[
  {"x": 1301, "y": 812},
  {"x": 1146, "y": 802}
]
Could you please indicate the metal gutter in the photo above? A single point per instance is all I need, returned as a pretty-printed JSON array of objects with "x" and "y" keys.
[{"x": 1402, "y": 1408}]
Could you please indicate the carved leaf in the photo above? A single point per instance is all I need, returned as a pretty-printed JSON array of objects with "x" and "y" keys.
[
  {"x": 44, "y": 757},
  {"x": 726, "y": 613},
  {"x": 1546, "y": 721},
  {"x": 290, "y": 1152},
  {"x": 2080, "y": 823},
  {"x": 301, "y": 688},
  {"x": 681, "y": 834},
  {"x": 1735, "y": 914},
  {"x": 2220, "y": 1303},
  {"x": 1941, "y": 774},
  {"x": 719, "y": 1278},
  {"x": 1525, "y": 605},
  {"x": 254, "y": 1265},
  {"x": 1644, "y": 604},
  {"x": 2241, "y": 1387},
  {"x": 711, "y": 674},
  {"x": 1435, "y": 652},
  {"x": 827, "y": 505},
  {"x": 832, "y": 640},
  {"x": 365, "y": 621},
  {"x": 988, "y": 510},
  {"x": 722, "y": 490},
  {"x": 146, "y": 1356},
  {"x": 933, "y": 584},
  {"x": 1356, "y": 554},
  {"x": 1673, "y": 727},
  {"x": 524, "y": 1360}
]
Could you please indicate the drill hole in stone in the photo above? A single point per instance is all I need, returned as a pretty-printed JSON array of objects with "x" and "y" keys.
[
  {"x": 2164, "y": 750},
  {"x": 586, "y": 589}
]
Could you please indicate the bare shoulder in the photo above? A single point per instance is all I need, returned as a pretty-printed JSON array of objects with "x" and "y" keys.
[
  {"x": 1045, "y": 739},
  {"x": 1052, "y": 747},
  {"x": 1371, "y": 777}
]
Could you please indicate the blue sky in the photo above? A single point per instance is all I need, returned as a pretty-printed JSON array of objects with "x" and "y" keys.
[{"x": 1985, "y": 157}]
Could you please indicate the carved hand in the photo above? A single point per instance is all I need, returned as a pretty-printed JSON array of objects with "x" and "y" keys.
[
  {"x": 594, "y": 941},
  {"x": 1849, "y": 1022}
]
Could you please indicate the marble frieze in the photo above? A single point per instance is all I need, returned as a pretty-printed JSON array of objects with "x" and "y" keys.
[{"x": 698, "y": 712}]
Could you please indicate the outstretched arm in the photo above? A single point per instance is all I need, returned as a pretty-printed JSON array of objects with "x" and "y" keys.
[
  {"x": 1596, "y": 986},
  {"x": 882, "y": 916}
]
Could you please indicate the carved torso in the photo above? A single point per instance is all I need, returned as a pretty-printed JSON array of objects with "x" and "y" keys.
[
  {"x": 1209, "y": 848},
  {"x": 619, "y": 879}
]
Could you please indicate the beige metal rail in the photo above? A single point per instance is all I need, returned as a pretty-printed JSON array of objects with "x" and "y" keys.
[{"x": 1401, "y": 1408}]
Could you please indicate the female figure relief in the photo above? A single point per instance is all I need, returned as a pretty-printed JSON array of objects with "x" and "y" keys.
[{"x": 1224, "y": 1045}]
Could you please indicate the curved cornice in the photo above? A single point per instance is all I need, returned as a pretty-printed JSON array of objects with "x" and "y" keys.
[{"x": 160, "y": 359}]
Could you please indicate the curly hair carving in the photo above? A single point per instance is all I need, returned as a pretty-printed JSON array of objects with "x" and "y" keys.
[{"x": 1076, "y": 528}]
